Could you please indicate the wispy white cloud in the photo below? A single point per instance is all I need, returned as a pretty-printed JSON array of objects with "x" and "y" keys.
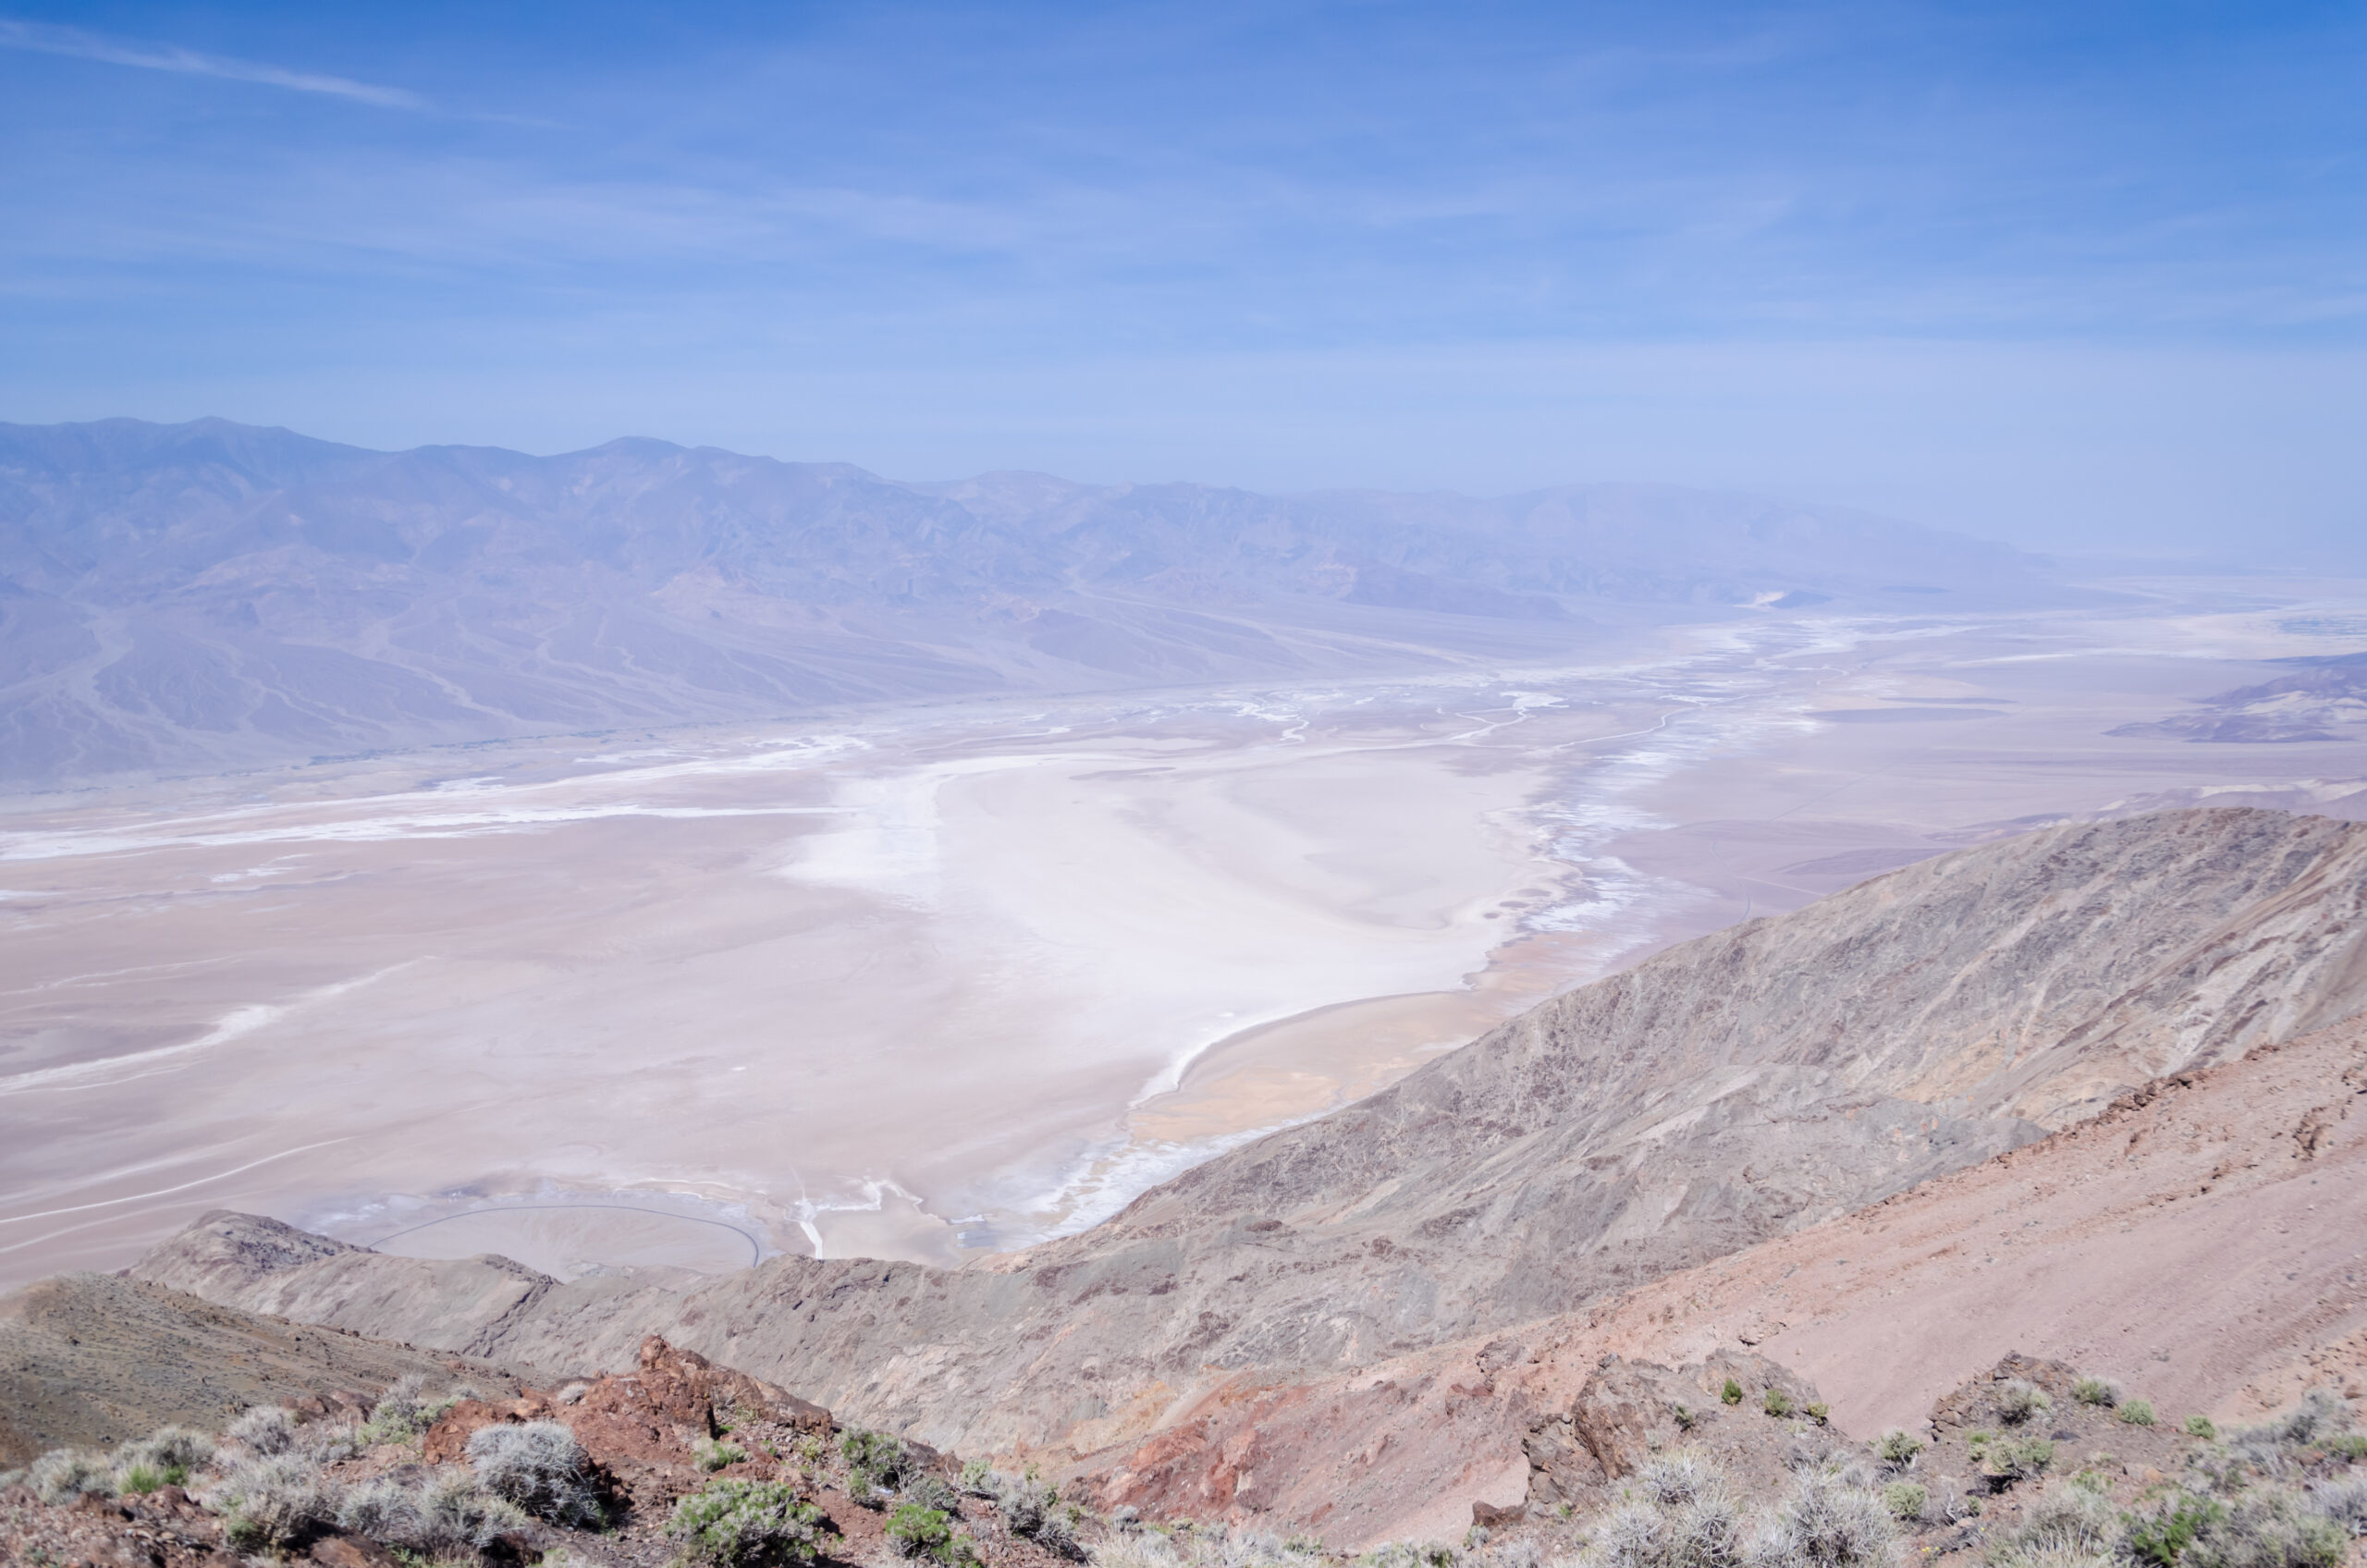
[{"x": 46, "y": 39}]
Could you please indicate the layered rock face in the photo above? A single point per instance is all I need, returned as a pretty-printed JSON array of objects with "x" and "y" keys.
[{"x": 1736, "y": 1088}]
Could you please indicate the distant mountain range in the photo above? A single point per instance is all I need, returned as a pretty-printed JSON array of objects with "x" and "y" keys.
[{"x": 183, "y": 599}]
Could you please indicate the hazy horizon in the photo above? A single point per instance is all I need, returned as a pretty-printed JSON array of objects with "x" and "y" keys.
[{"x": 2082, "y": 283}]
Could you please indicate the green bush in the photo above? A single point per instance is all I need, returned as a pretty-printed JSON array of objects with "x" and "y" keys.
[
  {"x": 1897, "y": 1449},
  {"x": 915, "y": 1531},
  {"x": 1905, "y": 1500},
  {"x": 2348, "y": 1445},
  {"x": 2101, "y": 1391},
  {"x": 1776, "y": 1403},
  {"x": 2200, "y": 1427},
  {"x": 403, "y": 1413},
  {"x": 2004, "y": 1460},
  {"x": 2268, "y": 1529},
  {"x": 2136, "y": 1412},
  {"x": 715, "y": 1455},
  {"x": 733, "y": 1524},
  {"x": 930, "y": 1491},
  {"x": 877, "y": 1462},
  {"x": 1732, "y": 1393},
  {"x": 164, "y": 1458},
  {"x": 2160, "y": 1534}
]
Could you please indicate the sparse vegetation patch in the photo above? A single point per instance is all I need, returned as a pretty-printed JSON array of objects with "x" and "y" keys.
[{"x": 736, "y": 1524}]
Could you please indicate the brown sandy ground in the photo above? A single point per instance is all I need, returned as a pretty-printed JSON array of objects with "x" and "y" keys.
[{"x": 2203, "y": 1241}]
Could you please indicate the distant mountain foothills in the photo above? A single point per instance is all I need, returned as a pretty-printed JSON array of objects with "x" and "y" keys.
[
  {"x": 2323, "y": 699},
  {"x": 1985, "y": 1101},
  {"x": 189, "y": 598}
]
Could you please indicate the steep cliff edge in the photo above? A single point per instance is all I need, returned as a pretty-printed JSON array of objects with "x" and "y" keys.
[{"x": 1736, "y": 1088}]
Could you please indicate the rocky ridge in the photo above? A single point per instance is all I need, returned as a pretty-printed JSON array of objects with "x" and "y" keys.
[{"x": 1734, "y": 1089}]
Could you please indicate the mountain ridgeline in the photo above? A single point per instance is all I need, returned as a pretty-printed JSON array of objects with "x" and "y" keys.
[
  {"x": 189, "y": 598},
  {"x": 1736, "y": 1088}
]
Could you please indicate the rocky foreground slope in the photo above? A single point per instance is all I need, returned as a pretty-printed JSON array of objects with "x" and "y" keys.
[
  {"x": 1729, "y": 1091},
  {"x": 2203, "y": 1241},
  {"x": 2189, "y": 1255}
]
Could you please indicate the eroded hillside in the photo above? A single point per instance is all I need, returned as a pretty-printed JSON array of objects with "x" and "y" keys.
[{"x": 1728, "y": 1091}]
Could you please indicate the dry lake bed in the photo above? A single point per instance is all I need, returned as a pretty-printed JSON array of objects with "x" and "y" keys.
[{"x": 914, "y": 983}]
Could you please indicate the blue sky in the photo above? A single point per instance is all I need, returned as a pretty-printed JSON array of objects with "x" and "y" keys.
[{"x": 2091, "y": 276}]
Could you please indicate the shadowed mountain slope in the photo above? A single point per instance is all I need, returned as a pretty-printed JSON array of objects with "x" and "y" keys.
[
  {"x": 213, "y": 594},
  {"x": 1737, "y": 1087}
]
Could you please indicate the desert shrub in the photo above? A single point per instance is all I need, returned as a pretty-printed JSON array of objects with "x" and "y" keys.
[
  {"x": 1709, "y": 1532},
  {"x": 1137, "y": 1549},
  {"x": 2004, "y": 1460},
  {"x": 1686, "y": 1417},
  {"x": 2200, "y": 1427},
  {"x": 2267, "y": 1528},
  {"x": 2136, "y": 1412},
  {"x": 265, "y": 1429},
  {"x": 915, "y": 1531},
  {"x": 2344, "y": 1501},
  {"x": 328, "y": 1444},
  {"x": 382, "y": 1510},
  {"x": 714, "y": 1454},
  {"x": 1732, "y": 1393},
  {"x": 2348, "y": 1445},
  {"x": 877, "y": 1462},
  {"x": 931, "y": 1492},
  {"x": 137, "y": 1480},
  {"x": 274, "y": 1500},
  {"x": 1635, "y": 1535},
  {"x": 2018, "y": 1400},
  {"x": 573, "y": 1393},
  {"x": 540, "y": 1468},
  {"x": 978, "y": 1478},
  {"x": 1671, "y": 1478},
  {"x": 456, "y": 1515},
  {"x": 733, "y": 1524},
  {"x": 2062, "y": 1521},
  {"x": 2159, "y": 1533},
  {"x": 1905, "y": 1500},
  {"x": 403, "y": 1411},
  {"x": 2100, "y": 1391},
  {"x": 1827, "y": 1522},
  {"x": 164, "y": 1458},
  {"x": 64, "y": 1473},
  {"x": 1817, "y": 1411},
  {"x": 1896, "y": 1449},
  {"x": 2321, "y": 1413},
  {"x": 1032, "y": 1509},
  {"x": 1775, "y": 1402}
]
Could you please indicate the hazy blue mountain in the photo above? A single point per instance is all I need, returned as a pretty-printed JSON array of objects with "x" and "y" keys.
[{"x": 184, "y": 597}]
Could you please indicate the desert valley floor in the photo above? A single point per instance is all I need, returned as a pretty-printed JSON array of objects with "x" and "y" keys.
[{"x": 918, "y": 982}]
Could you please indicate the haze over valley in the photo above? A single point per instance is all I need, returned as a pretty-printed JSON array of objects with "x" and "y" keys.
[
  {"x": 932, "y": 979},
  {"x": 1306, "y": 785}
]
